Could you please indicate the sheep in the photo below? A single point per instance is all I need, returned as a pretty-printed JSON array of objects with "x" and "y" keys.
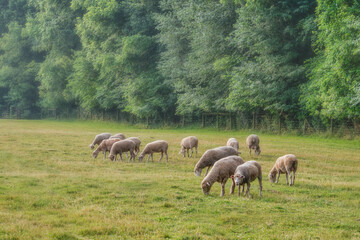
[
  {"x": 98, "y": 139},
  {"x": 119, "y": 135},
  {"x": 189, "y": 143},
  {"x": 137, "y": 142},
  {"x": 246, "y": 173},
  {"x": 105, "y": 146},
  {"x": 156, "y": 146},
  {"x": 285, "y": 164},
  {"x": 232, "y": 142},
  {"x": 252, "y": 142},
  {"x": 211, "y": 156},
  {"x": 222, "y": 170},
  {"x": 120, "y": 147}
]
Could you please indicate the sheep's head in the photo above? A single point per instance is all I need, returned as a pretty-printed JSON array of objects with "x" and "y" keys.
[
  {"x": 238, "y": 179},
  {"x": 95, "y": 154},
  {"x": 182, "y": 151},
  {"x": 141, "y": 157},
  {"x": 257, "y": 150},
  {"x": 206, "y": 187},
  {"x": 197, "y": 171},
  {"x": 92, "y": 146},
  {"x": 272, "y": 176},
  {"x": 112, "y": 157}
]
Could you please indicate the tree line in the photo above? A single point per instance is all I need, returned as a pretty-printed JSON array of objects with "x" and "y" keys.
[{"x": 167, "y": 58}]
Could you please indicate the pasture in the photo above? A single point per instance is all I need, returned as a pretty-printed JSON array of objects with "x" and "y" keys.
[{"x": 52, "y": 188}]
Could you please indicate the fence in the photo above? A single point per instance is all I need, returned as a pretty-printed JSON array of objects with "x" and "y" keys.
[{"x": 217, "y": 120}]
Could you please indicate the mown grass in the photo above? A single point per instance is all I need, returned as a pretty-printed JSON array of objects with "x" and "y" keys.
[{"x": 51, "y": 188}]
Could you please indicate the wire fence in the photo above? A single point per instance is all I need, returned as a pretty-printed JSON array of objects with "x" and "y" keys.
[{"x": 221, "y": 120}]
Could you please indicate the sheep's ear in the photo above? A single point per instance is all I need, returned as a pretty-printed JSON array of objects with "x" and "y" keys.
[
  {"x": 232, "y": 176},
  {"x": 242, "y": 176},
  {"x": 207, "y": 183}
]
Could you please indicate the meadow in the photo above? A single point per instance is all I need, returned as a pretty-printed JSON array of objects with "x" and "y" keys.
[{"x": 52, "y": 188}]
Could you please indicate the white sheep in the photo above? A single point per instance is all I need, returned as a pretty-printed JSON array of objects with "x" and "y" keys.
[
  {"x": 120, "y": 147},
  {"x": 98, "y": 139},
  {"x": 285, "y": 164},
  {"x": 209, "y": 158},
  {"x": 221, "y": 172},
  {"x": 137, "y": 142},
  {"x": 119, "y": 135},
  {"x": 246, "y": 173},
  {"x": 156, "y": 146},
  {"x": 189, "y": 143},
  {"x": 232, "y": 142},
  {"x": 252, "y": 142},
  {"x": 105, "y": 146}
]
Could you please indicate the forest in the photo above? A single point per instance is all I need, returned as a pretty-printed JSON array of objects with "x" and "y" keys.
[{"x": 290, "y": 62}]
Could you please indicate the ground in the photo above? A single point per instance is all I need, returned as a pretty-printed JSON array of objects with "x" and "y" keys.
[{"x": 52, "y": 188}]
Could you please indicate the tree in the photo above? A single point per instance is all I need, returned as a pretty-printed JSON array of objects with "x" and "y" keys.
[{"x": 334, "y": 74}]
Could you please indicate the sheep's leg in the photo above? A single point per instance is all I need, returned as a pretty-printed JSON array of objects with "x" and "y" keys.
[
  {"x": 287, "y": 180},
  {"x": 277, "y": 179},
  {"x": 104, "y": 152},
  {"x": 248, "y": 190},
  {"x": 162, "y": 154},
  {"x": 222, "y": 189},
  {"x": 187, "y": 150},
  {"x": 260, "y": 185},
  {"x": 152, "y": 157},
  {"x": 232, "y": 189},
  {"x": 239, "y": 190},
  {"x": 290, "y": 179},
  {"x": 121, "y": 156},
  {"x": 192, "y": 151},
  {"x": 148, "y": 157},
  {"x": 207, "y": 171},
  {"x": 294, "y": 178},
  {"x": 195, "y": 151}
]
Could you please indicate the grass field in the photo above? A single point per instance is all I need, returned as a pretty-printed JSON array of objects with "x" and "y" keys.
[{"x": 52, "y": 188}]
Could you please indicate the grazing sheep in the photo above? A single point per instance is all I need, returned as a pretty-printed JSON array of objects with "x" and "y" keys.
[
  {"x": 137, "y": 142},
  {"x": 222, "y": 170},
  {"x": 156, "y": 146},
  {"x": 246, "y": 173},
  {"x": 211, "y": 156},
  {"x": 252, "y": 142},
  {"x": 232, "y": 142},
  {"x": 98, "y": 139},
  {"x": 285, "y": 164},
  {"x": 120, "y": 147},
  {"x": 105, "y": 146},
  {"x": 189, "y": 143},
  {"x": 119, "y": 135}
]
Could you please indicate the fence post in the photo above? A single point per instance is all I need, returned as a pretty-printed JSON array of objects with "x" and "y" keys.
[
  {"x": 331, "y": 126},
  {"x": 202, "y": 121},
  {"x": 217, "y": 121},
  {"x": 253, "y": 122},
  {"x": 230, "y": 121}
]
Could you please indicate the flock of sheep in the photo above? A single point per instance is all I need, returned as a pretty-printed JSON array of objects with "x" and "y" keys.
[{"x": 224, "y": 160}]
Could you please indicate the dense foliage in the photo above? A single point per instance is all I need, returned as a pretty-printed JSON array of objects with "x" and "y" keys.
[{"x": 161, "y": 59}]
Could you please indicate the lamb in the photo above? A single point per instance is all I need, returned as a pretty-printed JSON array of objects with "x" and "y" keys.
[
  {"x": 246, "y": 173},
  {"x": 252, "y": 142},
  {"x": 222, "y": 170},
  {"x": 98, "y": 139},
  {"x": 209, "y": 158},
  {"x": 285, "y": 164},
  {"x": 189, "y": 143},
  {"x": 120, "y": 147},
  {"x": 232, "y": 142},
  {"x": 156, "y": 146},
  {"x": 105, "y": 146},
  {"x": 119, "y": 135},
  {"x": 137, "y": 142}
]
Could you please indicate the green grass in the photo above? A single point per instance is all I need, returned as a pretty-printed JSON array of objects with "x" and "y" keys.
[{"x": 52, "y": 188}]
